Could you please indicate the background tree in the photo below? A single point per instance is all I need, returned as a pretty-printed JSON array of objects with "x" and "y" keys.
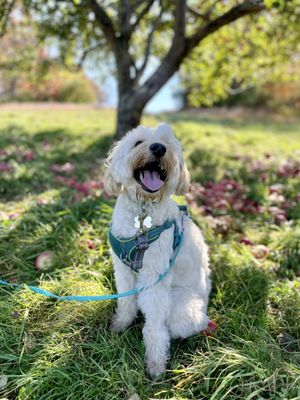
[
  {"x": 29, "y": 73},
  {"x": 133, "y": 32},
  {"x": 20, "y": 52},
  {"x": 243, "y": 57}
]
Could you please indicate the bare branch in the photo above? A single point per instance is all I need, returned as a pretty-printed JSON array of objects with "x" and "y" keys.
[
  {"x": 205, "y": 16},
  {"x": 197, "y": 13},
  {"x": 149, "y": 43},
  {"x": 105, "y": 23},
  {"x": 85, "y": 53},
  {"x": 247, "y": 8},
  {"x": 4, "y": 17},
  {"x": 125, "y": 14},
  {"x": 140, "y": 16}
]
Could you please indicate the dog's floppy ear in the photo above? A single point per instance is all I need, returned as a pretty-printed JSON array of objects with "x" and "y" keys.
[
  {"x": 112, "y": 187},
  {"x": 184, "y": 180}
]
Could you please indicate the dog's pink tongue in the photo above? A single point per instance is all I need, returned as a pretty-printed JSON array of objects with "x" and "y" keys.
[{"x": 151, "y": 180}]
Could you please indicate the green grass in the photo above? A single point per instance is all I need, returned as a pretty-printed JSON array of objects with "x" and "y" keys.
[{"x": 60, "y": 350}]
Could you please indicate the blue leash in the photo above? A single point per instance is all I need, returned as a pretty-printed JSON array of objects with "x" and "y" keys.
[{"x": 44, "y": 292}]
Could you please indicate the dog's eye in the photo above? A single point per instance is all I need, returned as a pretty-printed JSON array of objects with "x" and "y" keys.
[{"x": 138, "y": 142}]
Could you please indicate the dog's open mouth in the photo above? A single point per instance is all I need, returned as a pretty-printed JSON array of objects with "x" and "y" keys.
[{"x": 151, "y": 177}]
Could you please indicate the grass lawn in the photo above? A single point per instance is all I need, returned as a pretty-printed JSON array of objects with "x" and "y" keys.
[{"x": 54, "y": 218}]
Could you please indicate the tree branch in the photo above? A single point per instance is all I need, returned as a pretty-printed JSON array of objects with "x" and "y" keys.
[
  {"x": 179, "y": 28},
  {"x": 85, "y": 53},
  {"x": 249, "y": 7},
  {"x": 105, "y": 23},
  {"x": 4, "y": 17},
  {"x": 125, "y": 14},
  {"x": 140, "y": 16},
  {"x": 177, "y": 53},
  {"x": 205, "y": 16},
  {"x": 149, "y": 43}
]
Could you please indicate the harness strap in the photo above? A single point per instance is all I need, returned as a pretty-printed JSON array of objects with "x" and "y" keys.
[{"x": 141, "y": 246}]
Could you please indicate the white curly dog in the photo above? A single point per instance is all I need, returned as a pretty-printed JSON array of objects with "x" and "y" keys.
[{"x": 144, "y": 169}]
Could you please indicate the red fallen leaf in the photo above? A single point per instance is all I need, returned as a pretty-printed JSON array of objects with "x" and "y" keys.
[
  {"x": 4, "y": 167},
  {"x": 90, "y": 244},
  {"x": 28, "y": 155},
  {"x": 222, "y": 224},
  {"x": 238, "y": 206},
  {"x": 263, "y": 177},
  {"x": 249, "y": 209},
  {"x": 289, "y": 168},
  {"x": 257, "y": 165},
  {"x": 211, "y": 327},
  {"x": 14, "y": 215},
  {"x": 106, "y": 196},
  {"x": 277, "y": 188},
  {"x": 67, "y": 168},
  {"x": 44, "y": 261},
  {"x": 260, "y": 251},
  {"x": 221, "y": 204},
  {"x": 42, "y": 202},
  {"x": 279, "y": 214},
  {"x": 46, "y": 145},
  {"x": 78, "y": 197},
  {"x": 246, "y": 241},
  {"x": 83, "y": 188},
  {"x": 280, "y": 218},
  {"x": 3, "y": 153},
  {"x": 275, "y": 197}
]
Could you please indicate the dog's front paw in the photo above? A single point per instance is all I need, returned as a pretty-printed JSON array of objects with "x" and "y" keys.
[
  {"x": 118, "y": 324},
  {"x": 156, "y": 369}
]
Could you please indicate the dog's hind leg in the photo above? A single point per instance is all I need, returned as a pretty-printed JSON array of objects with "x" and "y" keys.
[
  {"x": 188, "y": 315},
  {"x": 126, "y": 306}
]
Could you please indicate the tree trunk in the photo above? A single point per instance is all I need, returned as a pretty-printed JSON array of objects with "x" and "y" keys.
[{"x": 129, "y": 114}]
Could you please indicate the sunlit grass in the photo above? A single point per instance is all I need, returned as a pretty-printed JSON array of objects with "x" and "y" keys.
[{"x": 64, "y": 350}]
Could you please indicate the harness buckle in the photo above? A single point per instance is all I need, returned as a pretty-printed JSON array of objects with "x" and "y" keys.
[{"x": 123, "y": 257}]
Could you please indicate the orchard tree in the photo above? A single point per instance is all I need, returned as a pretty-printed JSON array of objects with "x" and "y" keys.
[
  {"x": 253, "y": 52},
  {"x": 134, "y": 32}
]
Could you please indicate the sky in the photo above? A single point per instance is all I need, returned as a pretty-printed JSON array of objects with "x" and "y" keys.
[{"x": 164, "y": 100}]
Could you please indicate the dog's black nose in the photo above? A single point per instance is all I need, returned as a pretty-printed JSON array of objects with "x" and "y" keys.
[{"x": 158, "y": 149}]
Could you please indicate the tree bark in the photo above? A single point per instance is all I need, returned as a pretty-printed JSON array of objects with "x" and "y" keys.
[{"x": 129, "y": 113}]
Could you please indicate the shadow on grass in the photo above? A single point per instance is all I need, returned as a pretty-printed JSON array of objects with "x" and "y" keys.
[
  {"x": 27, "y": 159},
  {"x": 54, "y": 227},
  {"x": 281, "y": 128}
]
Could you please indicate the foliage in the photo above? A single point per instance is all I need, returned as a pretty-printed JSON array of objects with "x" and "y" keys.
[
  {"x": 20, "y": 54},
  {"x": 57, "y": 84},
  {"x": 251, "y": 52},
  {"x": 28, "y": 73},
  {"x": 52, "y": 202}
]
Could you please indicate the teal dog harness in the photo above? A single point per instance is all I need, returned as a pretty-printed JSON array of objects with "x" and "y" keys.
[{"x": 131, "y": 250}]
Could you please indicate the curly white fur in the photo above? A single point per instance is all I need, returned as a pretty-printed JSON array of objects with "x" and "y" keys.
[{"x": 177, "y": 306}]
